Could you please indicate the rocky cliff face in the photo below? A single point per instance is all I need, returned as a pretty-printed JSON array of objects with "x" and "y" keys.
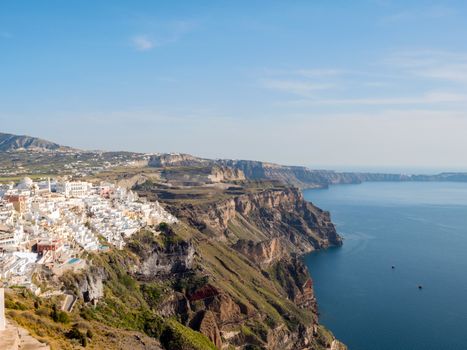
[
  {"x": 87, "y": 285},
  {"x": 248, "y": 244},
  {"x": 303, "y": 177},
  {"x": 224, "y": 174},
  {"x": 297, "y": 176},
  {"x": 263, "y": 253},
  {"x": 282, "y": 219},
  {"x": 176, "y": 160},
  {"x": 156, "y": 261}
]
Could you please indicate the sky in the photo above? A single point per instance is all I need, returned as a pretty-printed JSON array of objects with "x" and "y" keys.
[{"x": 364, "y": 83}]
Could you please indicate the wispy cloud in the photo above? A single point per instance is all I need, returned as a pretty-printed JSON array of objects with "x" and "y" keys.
[
  {"x": 416, "y": 14},
  {"x": 296, "y": 87},
  {"x": 430, "y": 98},
  {"x": 409, "y": 79},
  {"x": 376, "y": 84},
  {"x": 441, "y": 65},
  {"x": 160, "y": 33},
  {"x": 304, "y": 82},
  {"x": 314, "y": 73},
  {"x": 143, "y": 43}
]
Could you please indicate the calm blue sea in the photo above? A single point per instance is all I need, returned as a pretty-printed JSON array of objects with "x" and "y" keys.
[{"x": 421, "y": 229}]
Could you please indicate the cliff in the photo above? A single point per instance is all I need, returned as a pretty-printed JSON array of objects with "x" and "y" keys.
[
  {"x": 251, "y": 289},
  {"x": 303, "y": 177},
  {"x": 297, "y": 176},
  {"x": 163, "y": 160},
  {"x": 273, "y": 219}
]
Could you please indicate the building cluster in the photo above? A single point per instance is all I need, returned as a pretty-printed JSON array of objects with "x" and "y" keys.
[
  {"x": 51, "y": 223},
  {"x": 72, "y": 162}
]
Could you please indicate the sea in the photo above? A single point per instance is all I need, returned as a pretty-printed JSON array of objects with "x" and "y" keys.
[{"x": 399, "y": 282}]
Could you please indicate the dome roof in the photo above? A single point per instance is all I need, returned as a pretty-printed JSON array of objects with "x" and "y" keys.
[{"x": 25, "y": 183}]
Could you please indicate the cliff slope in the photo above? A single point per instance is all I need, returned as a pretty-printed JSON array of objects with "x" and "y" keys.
[{"x": 227, "y": 276}]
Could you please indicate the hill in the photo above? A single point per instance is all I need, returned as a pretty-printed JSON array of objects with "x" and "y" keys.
[{"x": 10, "y": 142}]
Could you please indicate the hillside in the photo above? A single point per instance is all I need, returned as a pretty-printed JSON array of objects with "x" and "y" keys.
[{"x": 10, "y": 142}]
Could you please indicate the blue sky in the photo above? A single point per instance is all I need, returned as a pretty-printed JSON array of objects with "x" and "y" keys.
[{"x": 321, "y": 83}]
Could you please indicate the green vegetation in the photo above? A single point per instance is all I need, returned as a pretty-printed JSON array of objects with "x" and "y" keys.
[
  {"x": 190, "y": 283},
  {"x": 325, "y": 337},
  {"x": 79, "y": 335},
  {"x": 58, "y": 315},
  {"x": 152, "y": 293},
  {"x": 177, "y": 336}
]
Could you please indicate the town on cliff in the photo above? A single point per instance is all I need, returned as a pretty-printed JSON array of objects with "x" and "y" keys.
[{"x": 163, "y": 251}]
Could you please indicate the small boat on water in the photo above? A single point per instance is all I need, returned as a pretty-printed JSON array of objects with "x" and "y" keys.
[{"x": 420, "y": 286}]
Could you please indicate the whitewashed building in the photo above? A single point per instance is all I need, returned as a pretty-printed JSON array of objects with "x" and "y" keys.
[{"x": 73, "y": 188}]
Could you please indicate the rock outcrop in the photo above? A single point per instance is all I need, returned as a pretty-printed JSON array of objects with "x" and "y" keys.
[
  {"x": 176, "y": 160},
  {"x": 264, "y": 252},
  {"x": 205, "y": 323},
  {"x": 224, "y": 174},
  {"x": 172, "y": 259}
]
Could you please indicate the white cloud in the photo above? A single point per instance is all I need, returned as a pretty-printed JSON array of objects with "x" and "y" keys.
[
  {"x": 441, "y": 65},
  {"x": 455, "y": 72},
  {"x": 296, "y": 87},
  {"x": 429, "y": 98},
  {"x": 313, "y": 73},
  {"x": 376, "y": 84},
  {"x": 404, "y": 82},
  {"x": 160, "y": 33},
  {"x": 143, "y": 43}
]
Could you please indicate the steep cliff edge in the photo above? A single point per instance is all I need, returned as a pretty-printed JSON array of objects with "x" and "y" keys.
[
  {"x": 278, "y": 219},
  {"x": 298, "y": 176},
  {"x": 303, "y": 177},
  {"x": 257, "y": 292}
]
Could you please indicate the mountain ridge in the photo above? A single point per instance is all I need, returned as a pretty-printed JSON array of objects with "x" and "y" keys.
[{"x": 12, "y": 142}]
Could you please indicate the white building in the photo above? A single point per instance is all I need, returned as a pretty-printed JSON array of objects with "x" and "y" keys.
[
  {"x": 7, "y": 212},
  {"x": 11, "y": 239},
  {"x": 74, "y": 188}
]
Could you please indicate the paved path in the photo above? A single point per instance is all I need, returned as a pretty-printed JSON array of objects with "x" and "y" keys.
[
  {"x": 9, "y": 338},
  {"x": 29, "y": 343},
  {"x": 17, "y": 338}
]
